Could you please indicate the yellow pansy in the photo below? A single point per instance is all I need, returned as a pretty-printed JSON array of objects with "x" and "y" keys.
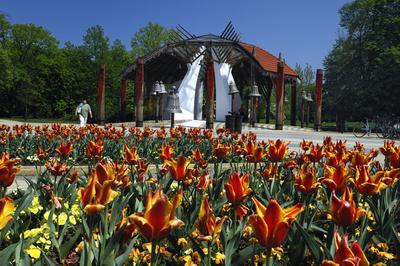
[
  {"x": 35, "y": 206},
  {"x": 182, "y": 242},
  {"x": 33, "y": 251},
  {"x": 219, "y": 258},
  {"x": 75, "y": 210},
  {"x": 62, "y": 218},
  {"x": 33, "y": 232}
]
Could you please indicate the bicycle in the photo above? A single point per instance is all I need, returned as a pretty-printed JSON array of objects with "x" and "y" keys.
[
  {"x": 392, "y": 130},
  {"x": 366, "y": 129}
]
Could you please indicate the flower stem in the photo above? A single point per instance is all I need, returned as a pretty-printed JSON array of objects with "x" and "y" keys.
[
  {"x": 153, "y": 252},
  {"x": 269, "y": 258},
  {"x": 209, "y": 254}
]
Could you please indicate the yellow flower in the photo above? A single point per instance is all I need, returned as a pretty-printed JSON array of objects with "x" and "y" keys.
[
  {"x": 278, "y": 252},
  {"x": 219, "y": 258},
  {"x": 182, "y": 242},
  {"x": 62, "y": 218},
  {"x": 75, "y": 210},
  {"x": 33, "y": 232},
  {"x": 205, "y": 251},
  {"x": 6, "y": 210},
  {"x": 381, "y": 251},
  {"x": 35, "y": 206},
  {"x": 33, "y": 251},
  {"x": 72, "y": 220}
]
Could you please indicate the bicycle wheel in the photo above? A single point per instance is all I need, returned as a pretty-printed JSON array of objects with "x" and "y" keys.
[
  {"x": 359, "y": 132},
  {"x": 380, "y": 132}
]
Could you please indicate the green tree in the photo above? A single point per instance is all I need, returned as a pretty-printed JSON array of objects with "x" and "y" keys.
[
  {"x": 148, "y": 38},
  {"x": 361, "y": 71},
  {"x": 34, "y": 53}
]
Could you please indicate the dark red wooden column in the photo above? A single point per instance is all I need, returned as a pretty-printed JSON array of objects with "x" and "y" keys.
[
  {"x": 101, "y": 87},
  {"x": 279, "y": 84},
  {"x": 318, "y": 99},
  {"x": 123, "y": 100},
  {"x": 210, "y": 94},
  {"x": 293, "y": 102},
  {"x": 139, "y": 85}
]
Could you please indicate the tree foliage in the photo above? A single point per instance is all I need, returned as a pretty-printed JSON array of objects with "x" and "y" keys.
[
  {"x": 41, "y": 79},
  {"x": 361, "y": 71},
  {"x": 149, "y": 38}
]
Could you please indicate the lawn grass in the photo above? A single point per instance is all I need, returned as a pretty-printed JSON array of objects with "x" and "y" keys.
[{"x": 40, "y": 120}]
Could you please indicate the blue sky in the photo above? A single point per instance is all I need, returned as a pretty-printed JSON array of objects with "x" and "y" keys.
[{"x": 303, "y": 30}]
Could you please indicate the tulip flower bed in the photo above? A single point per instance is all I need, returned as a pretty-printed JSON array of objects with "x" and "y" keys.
[{"x": 213, "y": 198}]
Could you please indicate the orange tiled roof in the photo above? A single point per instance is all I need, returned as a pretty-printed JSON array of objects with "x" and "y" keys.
[{"x": 268, "y": 61}]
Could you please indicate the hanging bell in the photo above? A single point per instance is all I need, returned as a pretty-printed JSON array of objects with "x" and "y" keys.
[
  {"x": 162, "y": 88},
  {"x": 254, "y": 91},
  {"x": 173, "y": 102},
  {"x": 309, "y": 97},
  {"x": 156, "y": 88},
  {"x": 304, "y": 95},
  {"x": 232, "y": 88}
]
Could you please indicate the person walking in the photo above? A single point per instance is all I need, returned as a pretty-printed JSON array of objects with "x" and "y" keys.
[
  {"x": 78, "y": 112},
  {"x": 86, "y": 111},
  {"x": 83, "y": 111}
]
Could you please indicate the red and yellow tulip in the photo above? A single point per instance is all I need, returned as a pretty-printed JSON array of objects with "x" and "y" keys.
[
  {"x": 65, "y": 149},
  {"x": 343, "y": 211},
  {"x": 335, "y": 178},
  {"x": 8, "y": 170},
  {"x": 207, "y": 224},
  {"x": 366, "y": 183},
  {"x": 199, "y": 159},
  {"x": 277, "y": 150},
  {"x": 178, "y": 169},
  {"x": 237, "y": 189},
  {"x": 141, "y": 169},
  {"x": 99, "y": 190},
  {"x": 56, "y": 168},
  {"x": 305, "y": 181},
  {"x": 158, "y": 218},
  {"x": 221, "y": 151},
  {"x": 346, "y": 256},
  {"x": 306, "y": 145},
  {"x": 203, "y": 182},
  {"x": 254, "y": 152},
  {"x": 94, "y": 150},
  {"x": 166, "y": 152},
  {"x": 6, "y": 210},
  {"x": 271, "y": 224},
  {"x": 130, "y": 155},
  {"x": 270, "y": 172},
  {"x": 315, "y": 154}
]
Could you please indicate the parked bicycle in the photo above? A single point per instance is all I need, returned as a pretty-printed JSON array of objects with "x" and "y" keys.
[
  {"x": 379, "y": 129},
  {"x": 392, "y": 130}
]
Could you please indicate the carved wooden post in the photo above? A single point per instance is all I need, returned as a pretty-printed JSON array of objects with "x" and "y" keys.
[
  {"x": 101, "y": 87},
  {"x": 279, "y": 81},
  {"x": 139, "y": 85},
  {"x": 210, "y": 94},
  {"x": 123, "y": 100},
  {"x": 318, "y": 99},
  {"x": 293, "y": 103}
]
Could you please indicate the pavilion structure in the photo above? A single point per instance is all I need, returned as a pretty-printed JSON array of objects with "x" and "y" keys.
[{"x": 207, "y": 65}]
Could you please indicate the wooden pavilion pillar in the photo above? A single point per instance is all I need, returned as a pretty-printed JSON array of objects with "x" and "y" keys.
[
  {"x": 139, "y": 86},
  {"x": 318, "y": 99},
  {"x": 293, "y": 102},
  {"x": 101, "y": 87},
  {"x": 280, "y": 84},
  {"x": 210, "y": 94},
  {"x": 268, "y": 104},
  {"x": 123, "y": 100}
]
